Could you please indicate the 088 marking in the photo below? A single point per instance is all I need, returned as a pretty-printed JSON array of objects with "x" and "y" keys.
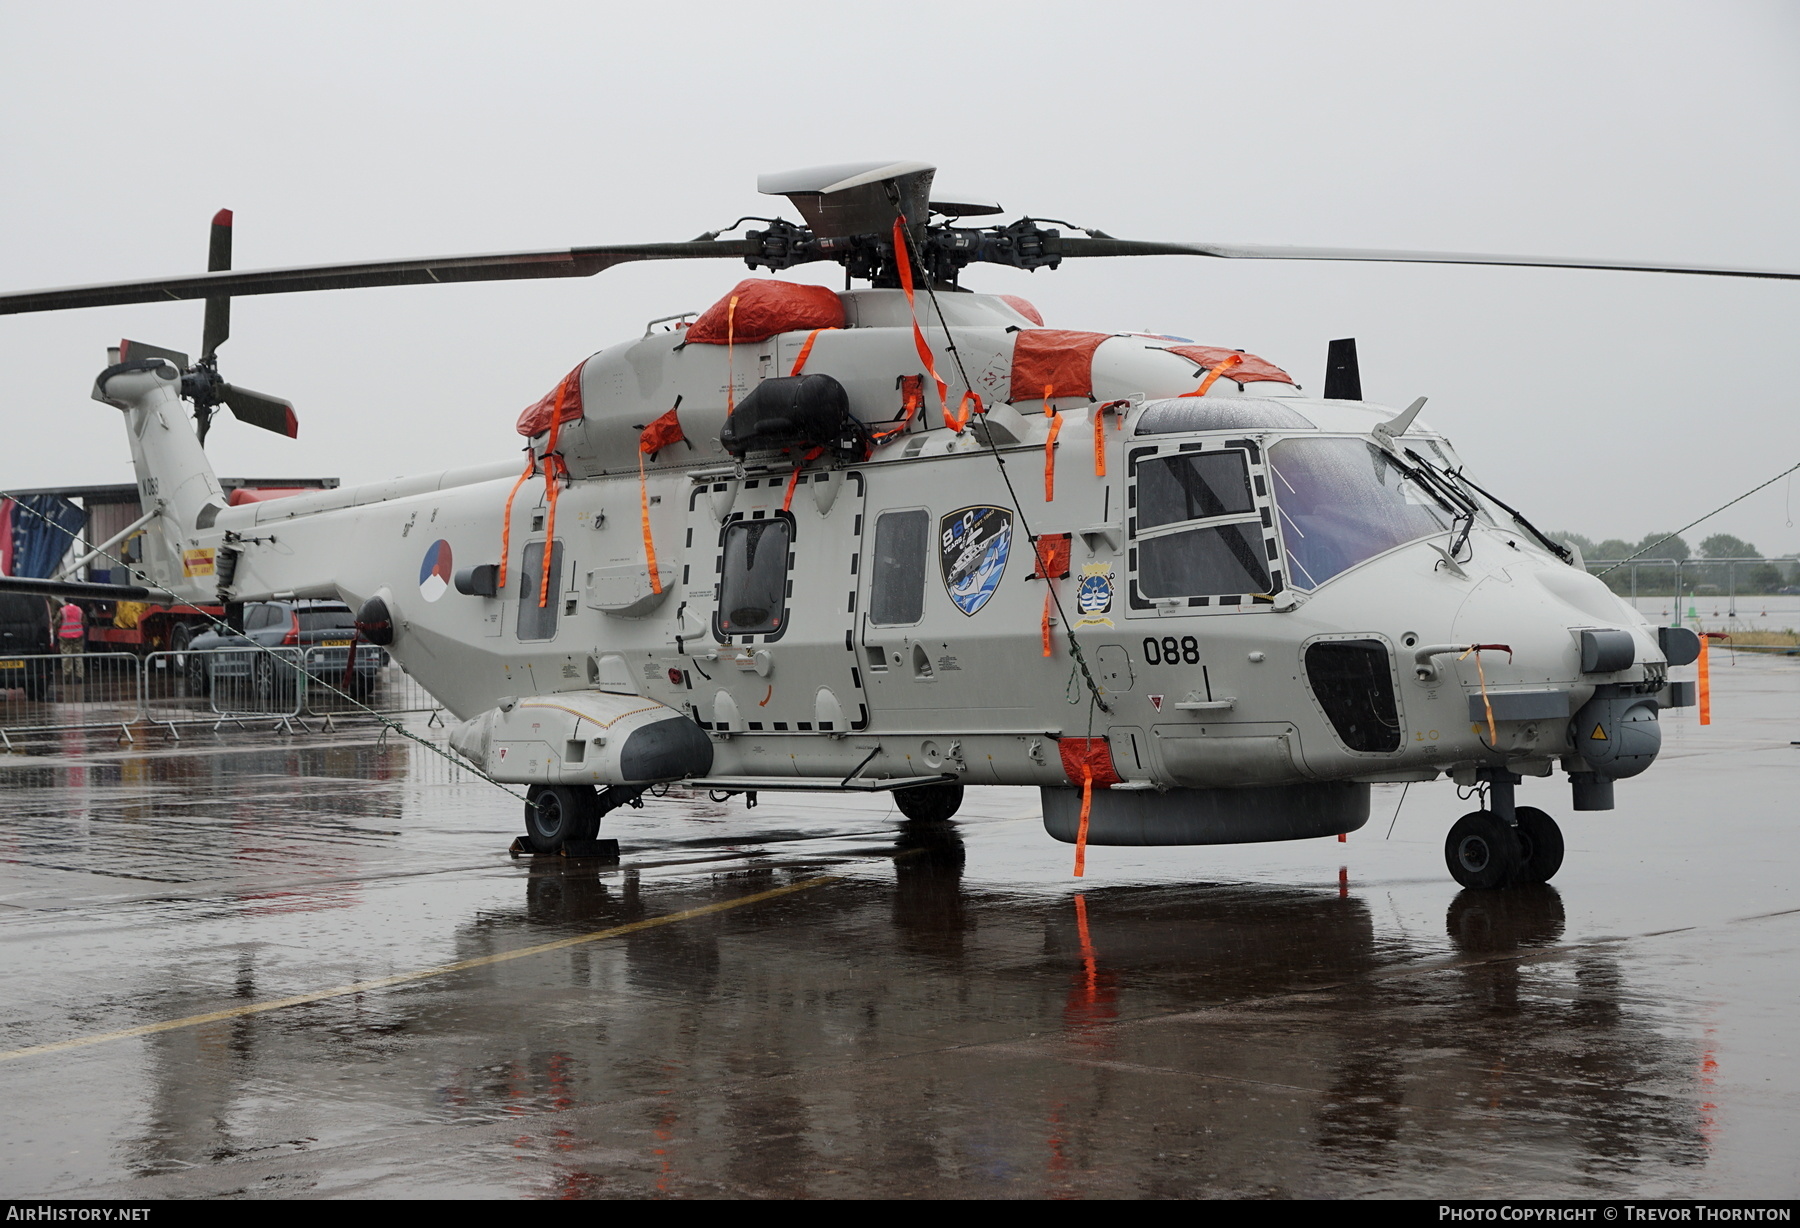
[{"x": 1167, "y": 651}]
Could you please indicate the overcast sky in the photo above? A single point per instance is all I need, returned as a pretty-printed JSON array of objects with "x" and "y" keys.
[{"x": 1607, "y": 403}]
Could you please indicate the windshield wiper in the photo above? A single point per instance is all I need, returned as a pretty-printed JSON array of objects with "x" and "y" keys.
[{"x": 1554, "y": 547}]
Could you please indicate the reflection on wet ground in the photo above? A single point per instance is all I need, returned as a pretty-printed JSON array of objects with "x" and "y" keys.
[{"x": 928, "y": 1010}]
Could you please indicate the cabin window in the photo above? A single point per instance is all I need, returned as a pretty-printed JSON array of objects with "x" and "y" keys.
[
  {"x": 1197, "y": 529},
  {"x": 538, "y": 622},
  {"x": 897, "y": 583},
  {"x": 753, "y": 585},
  {"x": 1342, "y": 501}
]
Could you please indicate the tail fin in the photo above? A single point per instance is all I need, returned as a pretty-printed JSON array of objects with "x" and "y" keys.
[{"x": 174, "y": 477}]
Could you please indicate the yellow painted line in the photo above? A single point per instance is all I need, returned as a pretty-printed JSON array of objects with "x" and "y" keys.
[{"x": 461, "y": 965}]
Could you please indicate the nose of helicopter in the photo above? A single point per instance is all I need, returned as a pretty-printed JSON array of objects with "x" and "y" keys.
[{"x": 1579, "y": 662}]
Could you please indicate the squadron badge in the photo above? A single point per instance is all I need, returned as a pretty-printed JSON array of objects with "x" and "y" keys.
[
  {"x": 973, "y": 545},
  {"x": 1094, "y": 598}
]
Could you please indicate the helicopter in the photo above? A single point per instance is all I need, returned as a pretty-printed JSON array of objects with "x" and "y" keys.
[{"x": 905, "y": 538}]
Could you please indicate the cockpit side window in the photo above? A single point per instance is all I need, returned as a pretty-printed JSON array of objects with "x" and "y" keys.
[
  {"x": 1193, "y": 486},
  {"x": 1341, "y": 501},
  {"x": 1200, "y": 526}
]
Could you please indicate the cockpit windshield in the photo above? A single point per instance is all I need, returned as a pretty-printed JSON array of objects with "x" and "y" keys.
[{"x": 1340, "y": 501}]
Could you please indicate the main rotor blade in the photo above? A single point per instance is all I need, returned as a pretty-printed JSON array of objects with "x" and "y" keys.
[
  {"x": 21, "y": 586},
  {"x": 260, "y": 409},
  {"x": 1234, "y": 251},
  {"x": 129, "y": 350},
  {"x": 504, "y": 266},
  {"x": 218, "y": 306}
]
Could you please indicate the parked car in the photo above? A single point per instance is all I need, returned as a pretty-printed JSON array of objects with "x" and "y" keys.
[
  {"x": 318, "y": 633},
  {"x": 25, "y": 641}
]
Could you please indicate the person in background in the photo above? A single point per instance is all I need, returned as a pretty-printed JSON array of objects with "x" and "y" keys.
[{"x": 71, "y": 638}]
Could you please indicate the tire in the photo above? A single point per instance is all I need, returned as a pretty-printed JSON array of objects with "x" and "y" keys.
[
  {"x": 557, "y": 814},
  {"x": 1482, "y": 852},
  {"x": 1540, "y": 845},
  {"x": 929, "y": 803}
]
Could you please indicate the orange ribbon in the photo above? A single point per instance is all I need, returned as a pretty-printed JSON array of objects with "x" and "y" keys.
[
  {"x": 903, "y": 258},
  {"x": 1087, "y": 805},
  {"x": 1217, "y": 370},
  {"x": 806, "y": 349},
  {"x": 552, "y": 462},
  {"x": 1493, "y": 738},
  {"x": 959, "y": 421},
  {"x": 664, "y": 432},
  {"x": 506, "y": 518},
  {"x": 644, "y": 522},
  {"x": 1056, "y": 421},
  {"x": 730, "y": 352},
  {"x": 1704, "y": 673},
  {"x": 1118, "y": 411}
]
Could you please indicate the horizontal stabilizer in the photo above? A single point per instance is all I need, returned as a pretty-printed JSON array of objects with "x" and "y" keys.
[{"x": 129, "y": 350}]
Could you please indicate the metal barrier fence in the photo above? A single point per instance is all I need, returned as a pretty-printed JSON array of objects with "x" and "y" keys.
[
  {"x": 377, "y": 682},
  {"x": 77, "y": 690},
  {"x": 284, "y": 686}
]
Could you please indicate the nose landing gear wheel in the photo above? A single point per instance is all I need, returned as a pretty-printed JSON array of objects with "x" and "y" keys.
[
  {"x": 1541, "y": 844},
  {"x": 557, "y": 814},
  {"x": 1482, "y": 852}
]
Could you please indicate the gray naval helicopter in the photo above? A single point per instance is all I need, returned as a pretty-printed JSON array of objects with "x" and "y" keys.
[{"x": 906, "y": 538}]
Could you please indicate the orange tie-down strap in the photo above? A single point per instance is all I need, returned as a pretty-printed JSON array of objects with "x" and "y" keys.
[
  {"x": 787, "y": 500},
  {"x": 806, "y": 349},
  {"x": 1118, "y": 410},
  {"x": 1481, "y": 673},
  {"x": 912, "y": 395},
  {"x": 664, "y": 432},
  {"x": 554, "y": 469},
  {"x": 1056, "y": 422},
  {"x": 1249, "y": 369},
  {"x": 1703, "y": 674},
  {"x": 1052, "y": 565},
  {"x": 1087, "y": 762},
  {"x": 555, "y": 472},
  {"x": 903, "y": 257},
  {"x": 506, "y": 517},
  {"x": 1214, "y": 372},
  {"x": 959, "y": 421}
]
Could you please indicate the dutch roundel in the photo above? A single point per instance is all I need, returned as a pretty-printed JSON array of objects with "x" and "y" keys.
[{"x": 434, "y": 572}]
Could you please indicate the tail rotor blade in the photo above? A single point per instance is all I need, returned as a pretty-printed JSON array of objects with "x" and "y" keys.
[
  {"x": 260, "y": 409},
  {"x": 129, "y": 350},
  {"x": 218, "y": 306}
]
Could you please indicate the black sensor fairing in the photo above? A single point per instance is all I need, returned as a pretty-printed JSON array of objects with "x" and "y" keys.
[{"x": 1353, "y": 682}]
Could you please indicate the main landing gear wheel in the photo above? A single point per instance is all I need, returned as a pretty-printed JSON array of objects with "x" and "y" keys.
[
  {"x": 929, "y": 803},
  {"x": 557, "y": 814},
  {"x": 1540, "y": 845},
  {"x": 1483, "y": 852}
]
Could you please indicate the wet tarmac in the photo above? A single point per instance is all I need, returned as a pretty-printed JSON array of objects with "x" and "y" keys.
[{"x": 816, "y": 999}]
